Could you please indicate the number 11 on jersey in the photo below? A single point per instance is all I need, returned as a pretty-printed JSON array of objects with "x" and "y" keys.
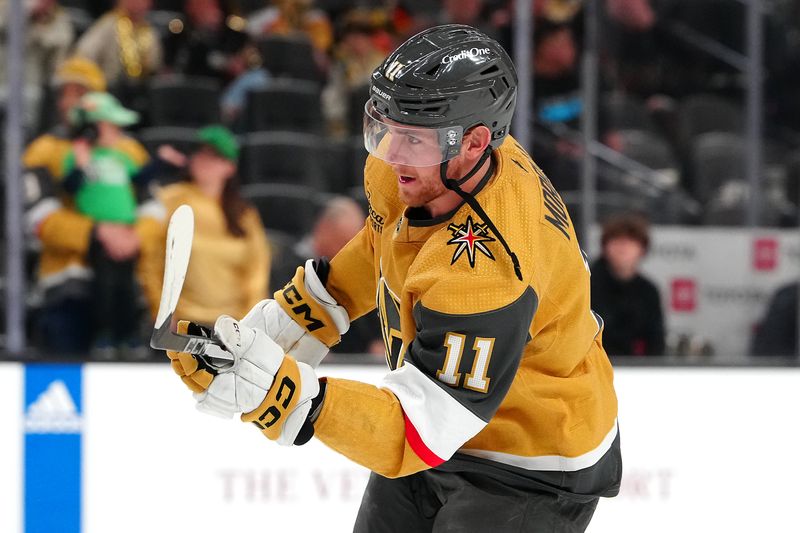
[{"x": 477, "y": 379}]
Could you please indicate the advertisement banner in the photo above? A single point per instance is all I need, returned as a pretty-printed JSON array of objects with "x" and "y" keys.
[
  {"x": 53, "y": 424},
  {"x": 704, "y": 450},
  {"x": 715, "y": 283}
]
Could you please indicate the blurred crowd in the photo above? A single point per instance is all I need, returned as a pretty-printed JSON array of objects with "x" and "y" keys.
[{"x": 251, "y": 112}]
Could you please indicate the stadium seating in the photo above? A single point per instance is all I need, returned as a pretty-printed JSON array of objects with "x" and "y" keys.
[
  {"x": 355, "y": 109},
  {"x": 285, "y": 157},
  {"x": 180, "y": 138},
  {"x": 184, "y": 101},
  {"x": 648, "y": 149},
  {"x": 715, "y": 159},
  {"x": 730, "y": 203},
  {"x": 289, "y": 57},
  {"x": 705, "y": 113},
  {"x": 284, "y": 207},
  {"x": 289, "y": 105},
  {"x": 619, "y": 111}
]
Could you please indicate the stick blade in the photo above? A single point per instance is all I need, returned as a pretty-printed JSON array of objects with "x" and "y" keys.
[{"x": 180, "y": 234}]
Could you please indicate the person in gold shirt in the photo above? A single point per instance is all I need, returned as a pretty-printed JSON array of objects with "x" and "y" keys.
[
  {"x": 229, "y": 270},
  {"x": 124, "y": 44},
  {"x": 292, "y": 18},
  {"x": 498, "y": 412},
  {"x": 66, "y": 236},
  {"x": 74, "y": 77}
]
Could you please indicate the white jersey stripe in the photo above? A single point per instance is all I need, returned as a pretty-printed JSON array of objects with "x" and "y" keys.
[
  {"x": 443, "y": 424},
  {"x": 550, "y": 463}
]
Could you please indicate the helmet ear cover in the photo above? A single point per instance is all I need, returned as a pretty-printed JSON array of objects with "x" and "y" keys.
[{"x": 450, "y": 140}]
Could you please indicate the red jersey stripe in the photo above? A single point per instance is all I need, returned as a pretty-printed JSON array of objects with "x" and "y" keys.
[{"x": 419, "y": 447}]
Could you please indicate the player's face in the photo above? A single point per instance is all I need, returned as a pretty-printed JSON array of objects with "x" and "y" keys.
[
  {"x": 409, "y": 146},
  {"x": 415, "y": 154},
  {"x": 419, "y": 186}
]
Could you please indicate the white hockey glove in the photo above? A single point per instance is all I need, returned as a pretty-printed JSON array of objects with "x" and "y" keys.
[
  {"x": 272, "y": 390},
  {"x": 303, "y": 318}
]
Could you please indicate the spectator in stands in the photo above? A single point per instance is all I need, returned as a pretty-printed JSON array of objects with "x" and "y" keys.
[
  {"x": 101, "y": 179},
  {"x": 48, "y": 37},
  {"x": 294, "y": 18},
  {"x": 339, "y": 222},
  {"x": 249, "y": 75},
  {"x": 556, "y": 78},
  {"x": 73, "y": 78},
  {"x": 462, "y": 12},
  {"x": 634, "y": 15},
  {"x": 64, "y": 323},
  {"x": 557, "y": 97},
  {"x": 124, "y": 44},
  {"x": 356, "y": 55},
  {"x": 777, "y": 332},
  {"x": 631, "y": 41},
  {"x": 229, "y": 270},
  {"x": 204, "y": 42},
  {"x": 470, "y": 12},
  {"x": 629, "y": 303}
]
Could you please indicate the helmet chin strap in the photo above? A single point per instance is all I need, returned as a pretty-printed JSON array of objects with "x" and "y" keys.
[{"x": 455, "y": 185}]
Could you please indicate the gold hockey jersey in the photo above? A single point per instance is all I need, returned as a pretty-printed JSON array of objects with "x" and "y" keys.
[{"x": 488, "y": 373}]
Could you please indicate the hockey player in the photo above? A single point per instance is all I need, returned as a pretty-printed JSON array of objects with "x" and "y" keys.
[{"x": 498, "y": 412}]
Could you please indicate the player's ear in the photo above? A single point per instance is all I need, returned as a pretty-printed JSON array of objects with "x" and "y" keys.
[{"x": 476, "y": 140}]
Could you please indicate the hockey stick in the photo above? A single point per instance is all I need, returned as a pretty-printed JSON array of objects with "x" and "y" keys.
[{"x": 179, "y": 249}]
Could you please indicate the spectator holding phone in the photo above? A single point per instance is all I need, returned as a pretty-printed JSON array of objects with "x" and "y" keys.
[{"x": 101, "y": 178}]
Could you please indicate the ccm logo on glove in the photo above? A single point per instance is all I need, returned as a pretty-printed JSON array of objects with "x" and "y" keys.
[
  {"x": 305, "y": 302},
  {"x": 273, "y": 411},
  {"x": 280, "y": 400},
  {"x": 293, "y": 296}
]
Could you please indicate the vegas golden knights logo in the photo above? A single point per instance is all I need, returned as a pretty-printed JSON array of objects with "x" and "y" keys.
[
  {"x": 389, "y": 311},
  {"x": 470, "y": 237}
]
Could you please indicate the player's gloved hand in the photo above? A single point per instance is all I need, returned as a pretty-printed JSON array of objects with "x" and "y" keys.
[
  {"x": 195, "y": 372},
  {"x": 272, "y": 390},
  {"x": 303, "y": 318},
  {"x": 239, "y": 386}
]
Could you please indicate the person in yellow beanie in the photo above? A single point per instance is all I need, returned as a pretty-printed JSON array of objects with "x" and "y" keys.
[
  {"x": 66, "y": 236},
  {"x": 74, "y": 77}
]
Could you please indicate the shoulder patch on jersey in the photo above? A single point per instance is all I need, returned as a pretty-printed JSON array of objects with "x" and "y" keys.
[
  {"x": 375, "y": 219},
  {"x": 470, "y": 237}
]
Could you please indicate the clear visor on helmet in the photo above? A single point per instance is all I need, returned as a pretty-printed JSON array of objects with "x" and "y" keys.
[{"x": 414, "y": 146}]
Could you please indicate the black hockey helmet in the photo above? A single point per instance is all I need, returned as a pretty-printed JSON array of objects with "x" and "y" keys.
[
  {"x": 433, "y": 88},
  {"x": 448, "y": 79}
]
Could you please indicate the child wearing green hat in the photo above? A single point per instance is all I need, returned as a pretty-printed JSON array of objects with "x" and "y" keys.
[{"x": 101, "y": 178}]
